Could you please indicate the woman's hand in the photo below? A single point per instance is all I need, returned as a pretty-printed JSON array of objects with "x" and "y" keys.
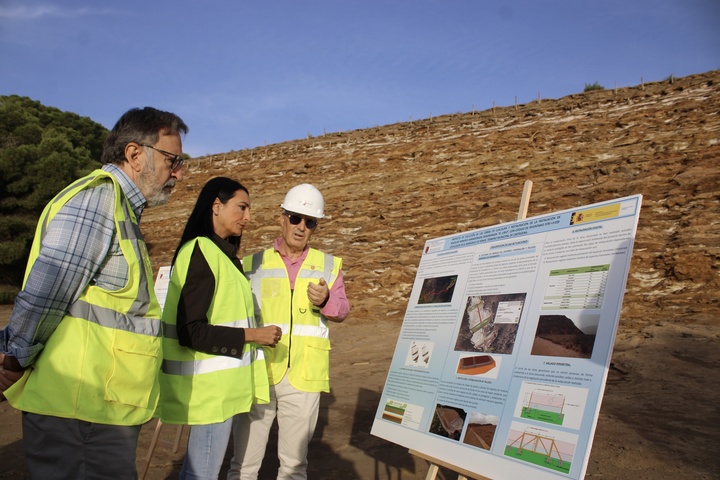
[{"x": 269, "y": 335}]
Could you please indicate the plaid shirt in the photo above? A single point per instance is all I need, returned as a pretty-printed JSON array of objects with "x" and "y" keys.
[{"x": 80, "y": 248}]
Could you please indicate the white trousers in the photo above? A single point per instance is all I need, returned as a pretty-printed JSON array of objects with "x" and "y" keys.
[{"x": 297, "y": 414}]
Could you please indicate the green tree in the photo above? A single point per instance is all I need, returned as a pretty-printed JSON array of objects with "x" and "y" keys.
[{"x": 42, "y": 150}]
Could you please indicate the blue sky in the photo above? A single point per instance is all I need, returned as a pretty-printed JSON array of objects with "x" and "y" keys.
[{"x": 249, "y": 73}]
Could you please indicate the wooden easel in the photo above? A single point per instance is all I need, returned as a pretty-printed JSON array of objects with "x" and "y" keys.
[
  {"x": 153, "y": 443},
  {"x": 435, "y": 464}
]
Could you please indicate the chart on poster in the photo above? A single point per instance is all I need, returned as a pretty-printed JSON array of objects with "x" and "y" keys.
[
  {"x": 502, "y": 357},
  {"x": 576, "y": 288}
]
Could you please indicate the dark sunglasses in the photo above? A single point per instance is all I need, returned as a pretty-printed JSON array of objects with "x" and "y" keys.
[
  {"x": 176, "y": 160},
  {"x": 310, "y": 223}
]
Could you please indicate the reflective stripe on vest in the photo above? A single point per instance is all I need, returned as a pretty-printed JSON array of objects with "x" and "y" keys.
[
  {"x": 217, "y": 363},
  {"x": 109, "y": 318},
  {"x": 257, "y": 275},
  {"x": 311, "y": 331},
  {"x": 282, "y": 273}
]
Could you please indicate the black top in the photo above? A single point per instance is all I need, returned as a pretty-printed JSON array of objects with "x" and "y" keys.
[{"x": 193, "y": 328}]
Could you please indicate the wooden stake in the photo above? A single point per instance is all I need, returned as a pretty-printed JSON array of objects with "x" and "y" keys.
[{"x": 525, "y": 200}]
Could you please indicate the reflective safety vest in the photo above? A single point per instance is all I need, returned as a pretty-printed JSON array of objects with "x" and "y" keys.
[
  {"x": 100, "y": 364},
  {"x": 304, "y": 350},
  {"x": 199, "y": 388}
]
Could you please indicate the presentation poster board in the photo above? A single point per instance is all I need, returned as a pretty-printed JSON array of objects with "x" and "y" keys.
[{"x": 503, "y": 354}]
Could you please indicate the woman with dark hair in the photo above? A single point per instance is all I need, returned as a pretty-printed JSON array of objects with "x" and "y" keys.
[{"x": 213, "y": 365}]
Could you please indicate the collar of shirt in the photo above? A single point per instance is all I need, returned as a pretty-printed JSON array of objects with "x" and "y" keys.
[
  {"x": 292, "y": 266},
  {"x": 131, "y": 191},
  {"x": 286, "y": 259},
  {"x": 227, "y": 248}
]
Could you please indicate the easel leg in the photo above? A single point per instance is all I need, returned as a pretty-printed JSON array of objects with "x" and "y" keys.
[
  {"x": 176, "y": 445},
  {"x": 432, "y": 472},
  {"x": 153, "y": 443},
  {"x": 435, "y": 465}
]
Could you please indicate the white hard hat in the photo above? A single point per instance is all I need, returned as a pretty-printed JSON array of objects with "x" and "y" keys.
[{"x": 305, "y": 199}]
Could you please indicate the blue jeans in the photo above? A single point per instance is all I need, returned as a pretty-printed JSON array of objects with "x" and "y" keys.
[{"x": 206, "y": 451}]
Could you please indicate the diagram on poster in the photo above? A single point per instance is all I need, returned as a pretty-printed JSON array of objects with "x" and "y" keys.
[
  {"x": 502, "y": 357},
  {"x": 545, "y": 448},
  {"x": 553, "y": 404},
  {"x": 402, "y": 413}
]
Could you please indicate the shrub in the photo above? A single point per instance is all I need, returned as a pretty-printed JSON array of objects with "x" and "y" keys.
[{"x": 594, "y": 86}]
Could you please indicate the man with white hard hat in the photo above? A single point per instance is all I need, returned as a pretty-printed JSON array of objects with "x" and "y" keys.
[{"x": 298, "y": 289}]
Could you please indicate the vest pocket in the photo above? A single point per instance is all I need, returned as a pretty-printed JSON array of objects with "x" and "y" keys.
[
  {"x": 316, "y": 359},
  {"x": 133, "y": 376}
]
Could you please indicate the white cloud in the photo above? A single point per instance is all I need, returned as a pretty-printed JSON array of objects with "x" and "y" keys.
[{"x": 42, "y": 11}]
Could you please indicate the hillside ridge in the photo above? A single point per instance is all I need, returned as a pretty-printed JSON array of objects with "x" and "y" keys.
[{"x": 389, "y": 189}]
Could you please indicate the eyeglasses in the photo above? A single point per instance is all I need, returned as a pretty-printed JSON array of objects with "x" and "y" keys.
[
  {"x": 176, "y": 160},
  {"x": 310, "y": 223}
]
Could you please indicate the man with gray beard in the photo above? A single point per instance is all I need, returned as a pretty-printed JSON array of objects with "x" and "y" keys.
[{"x": 81, "y": 354}]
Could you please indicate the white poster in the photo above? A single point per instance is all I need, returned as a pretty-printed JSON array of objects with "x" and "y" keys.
[
  {"x": 162, "y": 283},
  {"x": 501, "y": 361}
]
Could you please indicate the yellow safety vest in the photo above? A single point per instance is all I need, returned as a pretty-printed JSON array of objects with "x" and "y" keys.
[
  {"x": 304, "y": 350},
  {"x": 101, "y": 363},
  {"x": 198, "y": 388}
]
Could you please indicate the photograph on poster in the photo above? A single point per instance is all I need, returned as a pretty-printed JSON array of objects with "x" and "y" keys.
[
  {"x": 448, "y": 421},
  {"x": 561, "y": 335},
  {"x": 476, "y": 365},
  {"x": 437, "y": 290},
  {"x": 490, "y": 323},
  {"x": 480, "y": 430},
  {"x": 541, "y": 447}
]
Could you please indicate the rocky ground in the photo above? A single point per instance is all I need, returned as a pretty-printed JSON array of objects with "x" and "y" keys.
[{"x": 389, "y": 189}]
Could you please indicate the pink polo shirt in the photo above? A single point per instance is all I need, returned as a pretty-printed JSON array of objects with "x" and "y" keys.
[{"x": 337, "y": 306}]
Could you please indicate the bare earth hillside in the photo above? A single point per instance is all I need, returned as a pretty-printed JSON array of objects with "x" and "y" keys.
[{"x": 389, "y": 189}]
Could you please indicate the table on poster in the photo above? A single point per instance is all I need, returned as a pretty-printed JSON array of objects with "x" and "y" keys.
[{"x": 575, "y": 288}]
